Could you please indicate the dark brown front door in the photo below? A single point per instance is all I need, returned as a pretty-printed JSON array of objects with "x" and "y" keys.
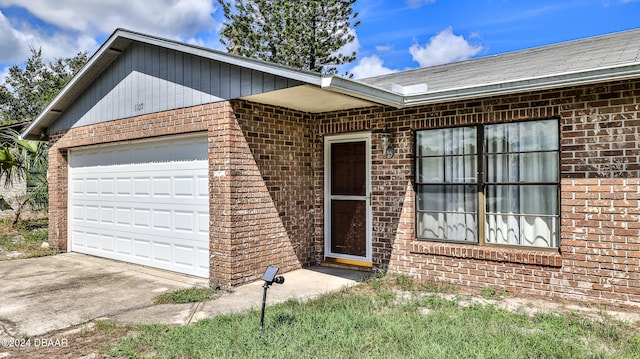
[{"x": 348, "y": 198}]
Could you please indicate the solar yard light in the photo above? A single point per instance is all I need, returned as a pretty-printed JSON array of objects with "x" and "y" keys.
[{"x": 269, "y": 277}]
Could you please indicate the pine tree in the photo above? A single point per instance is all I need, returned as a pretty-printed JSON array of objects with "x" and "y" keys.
[{"x": 306, "y": 34}]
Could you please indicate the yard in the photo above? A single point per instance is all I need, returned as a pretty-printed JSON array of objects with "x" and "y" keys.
[
  {"x": 391, "y": 317},
  {"x": 386, "y": 317},
  {"x": 25, "y": 240}
]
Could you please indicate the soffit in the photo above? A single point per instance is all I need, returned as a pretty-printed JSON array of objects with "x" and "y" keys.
[{"x": 307, "y": 98}]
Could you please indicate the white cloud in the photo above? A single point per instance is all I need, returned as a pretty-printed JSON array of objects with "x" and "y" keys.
[
  {"x": 12, "y": 42},
  {"x": 63, "y": 28},
  {"x": 3, "y": 75},
  {"x": 443, "y": 48},
  {"x": 66, "y": 27},
  {"x": 370, "y": 66},
  {"x": 384, "y": 48},
  {"x": 18, "y": 38},
  {"x": 350, "y": 47},
  {"x": 160, "y": 17},
  {"x": 414, "y": 4}
]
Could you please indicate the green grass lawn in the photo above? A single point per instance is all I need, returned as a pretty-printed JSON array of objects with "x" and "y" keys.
[{"x": 372, "y": 321}]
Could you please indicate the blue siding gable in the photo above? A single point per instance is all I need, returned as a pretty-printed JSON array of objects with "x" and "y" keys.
[{"x": 146, "y": 79}]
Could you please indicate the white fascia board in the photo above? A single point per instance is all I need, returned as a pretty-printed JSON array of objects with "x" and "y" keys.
[
  {"x": 106, "y": 53},
  {"x": 621, "y": 72},
  {"x": 385, "y": 97},
  {"x": 309, "y": 77},
  {"x": 361, "y": 91},
  {"x": 50, "y": 113}
]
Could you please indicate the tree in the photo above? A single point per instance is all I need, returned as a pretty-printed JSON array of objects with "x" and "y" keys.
[
  {"x": 23, "y": 159},
  {"x": 27, "y": 91},
  {"x": 306, "y": 34}
]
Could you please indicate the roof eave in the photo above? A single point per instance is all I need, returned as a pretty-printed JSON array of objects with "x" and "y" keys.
[
  {"x": 309, "y": 77},
  {"x": 94, "y": 66},
  {"x": 113, "y": 47},
  {"x": 621, "y": 72},
  {"x": 362, "y": 91}
]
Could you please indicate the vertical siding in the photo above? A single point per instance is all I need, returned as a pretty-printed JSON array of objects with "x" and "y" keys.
[
  {"x": 148, "y": 79},
  {"x": 225, "y": 81}
]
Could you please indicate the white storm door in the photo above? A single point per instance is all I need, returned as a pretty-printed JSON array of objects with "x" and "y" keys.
[{"x": 348, "y": 197}]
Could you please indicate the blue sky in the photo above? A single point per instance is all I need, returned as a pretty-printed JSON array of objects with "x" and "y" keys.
[{"x": 394, "y": 34}]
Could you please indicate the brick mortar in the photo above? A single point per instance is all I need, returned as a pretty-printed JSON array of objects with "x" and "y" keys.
[
  {"x": 245, "y": 235},
  {"x": 600, "y": 157},
  {"x": 254, "y": 147}
]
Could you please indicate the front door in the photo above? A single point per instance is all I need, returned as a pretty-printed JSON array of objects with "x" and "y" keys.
[{"x": 347, "y": 200}]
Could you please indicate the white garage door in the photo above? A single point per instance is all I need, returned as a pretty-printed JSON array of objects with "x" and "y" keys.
[{"x": 142, "y": 202}]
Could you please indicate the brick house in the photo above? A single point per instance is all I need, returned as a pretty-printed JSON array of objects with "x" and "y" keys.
[{"x": 517, "y": 171}]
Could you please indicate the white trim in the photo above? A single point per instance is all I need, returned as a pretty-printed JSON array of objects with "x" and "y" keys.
[
  {"x": 350, "y": 137},
  {"x": 178, "y": 136},
  {"x": 189, "y": 163},
  {"x": 536, "y": 83},
  {"x": 362, "y": 91}
]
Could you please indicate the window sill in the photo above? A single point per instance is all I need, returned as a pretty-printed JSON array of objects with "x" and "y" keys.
[{"x": 535, "y": 257}]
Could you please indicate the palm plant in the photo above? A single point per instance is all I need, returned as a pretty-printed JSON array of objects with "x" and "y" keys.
[{"x": 24, "y": 160}]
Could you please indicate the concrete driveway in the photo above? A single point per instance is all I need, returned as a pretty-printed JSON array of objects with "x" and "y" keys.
[
  {"x": 45, "y": 294},
  {"x": 40, "y": 295}
]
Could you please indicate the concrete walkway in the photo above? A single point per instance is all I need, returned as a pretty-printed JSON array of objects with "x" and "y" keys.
[
  {"x": 45, "y": 294},
  {"x": 301, "y": 284}
]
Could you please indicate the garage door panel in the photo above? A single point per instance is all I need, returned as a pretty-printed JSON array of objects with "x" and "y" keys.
[
  {"x": 203, "y": 259},
  {"x": 77, "y": 212},
  {"x": 91, "y": 240},
  {"x": 203, "y": 187},
  {"x": 77, "y": 185},
  {"x": 107, "y": 186},
  {"x": 91, "y": 213},
  {"x": 161, "y": 187},
  {"x": 185, "y": 221},
  {"x": 142, "y": 218},
  {"x": 123, "y": 186},
  {"x": 203, "y": 223},
  {"x": 107, "y": 215},
  {"x": 91, "y": 186},
  {"x": 107, "y": 243},
  {"x": 123, "y": 216},
  {"x": 184, "y": 255},
  {"x": 142, "y": 248},
  {"x": 164, "y": 222},
  {"x": 123, "y": 247},
  {"x": 77, "y": 239},
  {"x": 142, "y": 186},
  {"x": 162, "y": 252},
  {"x": 184, "y": 187},
  {"x": 151, "y": 250},
  {"x": 146, "y": 203}
]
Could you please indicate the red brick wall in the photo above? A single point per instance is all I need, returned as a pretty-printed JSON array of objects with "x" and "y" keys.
[
  {"x": 261, "y": 203},
  {"x": 281, "y": 142},
  {"x": 598, "y": 260},
  {"x": 601, "y": 239},
  {"x": 271, "y": 192},
  {"x": 58, "y": 184},
  {"x": 266, "y": 185}
]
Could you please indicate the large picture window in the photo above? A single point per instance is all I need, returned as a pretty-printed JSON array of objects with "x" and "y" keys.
[{"x": 505, "y": 174}]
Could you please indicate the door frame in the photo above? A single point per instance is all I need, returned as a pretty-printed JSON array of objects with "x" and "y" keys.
[{"x": 342, "y": 138}]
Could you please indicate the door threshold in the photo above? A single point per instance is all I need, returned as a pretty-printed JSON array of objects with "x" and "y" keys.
[{"x": 347, "y": 264}]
